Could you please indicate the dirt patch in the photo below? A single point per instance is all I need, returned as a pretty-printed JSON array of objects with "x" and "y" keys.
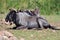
[
  {"x": 5, "y": 25},
  {"x": 57, "y": 24},
  {"x": 5, "y": 35}
]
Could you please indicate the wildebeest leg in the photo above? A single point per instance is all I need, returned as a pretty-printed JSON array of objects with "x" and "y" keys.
[
  {"x": 17, "y": 25},
  {"x": 40, "y": 23},
  {"x": 21, "y": 27}
]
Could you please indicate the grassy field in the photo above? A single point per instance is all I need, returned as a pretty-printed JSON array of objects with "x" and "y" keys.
[
  {"x": 45, "y": 34},
  {"x": 50, "y": 10}
]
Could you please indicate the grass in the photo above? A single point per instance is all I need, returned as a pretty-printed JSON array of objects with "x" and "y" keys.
[
  {"x": 54, "y": 18},
  {"x": 45, "y": 34},
  {"x": 45, "y": 6}
]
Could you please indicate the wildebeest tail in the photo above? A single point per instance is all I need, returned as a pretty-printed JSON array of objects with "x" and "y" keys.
[{"x": 54, "y": 28}]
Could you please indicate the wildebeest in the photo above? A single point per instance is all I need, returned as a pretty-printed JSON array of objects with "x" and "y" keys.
[
  {"x": 21, "y": 19},
  {"x": 24, "y": 19}
]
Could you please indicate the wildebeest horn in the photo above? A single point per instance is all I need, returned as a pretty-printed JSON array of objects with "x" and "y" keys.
[{"x": 12, "y": 9}]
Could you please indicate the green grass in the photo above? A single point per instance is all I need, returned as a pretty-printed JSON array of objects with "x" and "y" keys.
[
  {"x": 52, "y": 18},
  {"x": 45, "y": 6},
  {"x": 45, "y": 34}
]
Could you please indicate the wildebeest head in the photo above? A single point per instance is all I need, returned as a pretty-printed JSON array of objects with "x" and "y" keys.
[{"x": 11, "y": 15}]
